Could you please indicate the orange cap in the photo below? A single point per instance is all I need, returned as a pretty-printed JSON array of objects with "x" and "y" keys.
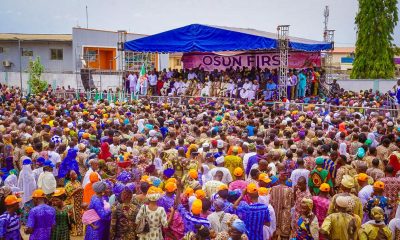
[
  {"x": 188, "y": 191},
  {"x": 29, "y": 149},
  {"x": 379, "y": 185},
  {"x": 94, "y": 177},
  {"x": 38, "y": 193},
  {"x": 200, "y": 194},
  {"x": 170, "y": 187},
  {"x": 238, "y": 172},
  {"x": 85, "y": 135},
  {"x": 173, "y": 180},
  {"x": 12, "y": 199},
  {"x": 197, "y": 206},
  {"x": 362, "y": 177},
  {"x": 193, "y": 174}
]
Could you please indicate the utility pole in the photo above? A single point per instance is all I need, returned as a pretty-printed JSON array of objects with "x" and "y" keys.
[{"x": 87, "y": 18}]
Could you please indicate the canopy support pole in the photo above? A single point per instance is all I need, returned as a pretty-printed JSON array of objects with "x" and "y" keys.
[{"x": 283, "y": 41}]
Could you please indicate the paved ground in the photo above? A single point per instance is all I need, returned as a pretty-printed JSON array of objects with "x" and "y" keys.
[{"x": 26, "y": 237}]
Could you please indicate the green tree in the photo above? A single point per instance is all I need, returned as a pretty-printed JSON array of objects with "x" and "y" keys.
[
  {"x": 376, "y": 20},
  {"x": 35, "y": 70}
]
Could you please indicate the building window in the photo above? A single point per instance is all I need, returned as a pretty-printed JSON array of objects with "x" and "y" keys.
[
  {"x": 91, "y": 56},
  {"x": 177, "y": 62},
  {"x": 27, "y": 52},
  {"x": 56, "y": 54}
]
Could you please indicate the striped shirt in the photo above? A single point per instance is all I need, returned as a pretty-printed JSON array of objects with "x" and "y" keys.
[
  {"x": 190, "y": 221},
  {"x": 9, "y": 226}
]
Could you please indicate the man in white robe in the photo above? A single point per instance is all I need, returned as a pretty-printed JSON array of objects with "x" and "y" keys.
[{"x": 244, "y": 92}]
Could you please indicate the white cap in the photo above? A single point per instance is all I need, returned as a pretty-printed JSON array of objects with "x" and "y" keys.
[
  {"x": 205, "y": 145},
  {"x": 152, "y": 133},
  {"x": 220, "y": 144},
  {"x": 70, "y": 125},
  {"x": 220, "y": 160}
]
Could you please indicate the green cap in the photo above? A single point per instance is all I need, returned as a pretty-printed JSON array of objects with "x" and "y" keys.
[{"x": 319, "y": 160}]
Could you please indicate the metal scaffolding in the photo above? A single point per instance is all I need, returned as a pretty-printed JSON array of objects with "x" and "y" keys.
[
  {"x": 121, "y": 55},
  {"x": 328, "y": 37},
  {"x": 283, "y": 40}
]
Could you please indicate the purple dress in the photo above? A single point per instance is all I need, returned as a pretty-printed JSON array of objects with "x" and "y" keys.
[
  {"x": 102, "y": 232},
  {"x": 41, "y": 219}
]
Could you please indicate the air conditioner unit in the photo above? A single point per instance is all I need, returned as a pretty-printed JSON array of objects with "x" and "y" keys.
[{"x": 7, "y": 63}]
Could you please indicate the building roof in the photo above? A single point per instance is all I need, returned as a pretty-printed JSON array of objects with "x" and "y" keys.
[
  {"x": 344, "y": 50},
  {"x": 36, "y": 37},
  {"x": 102, "y": 30}
]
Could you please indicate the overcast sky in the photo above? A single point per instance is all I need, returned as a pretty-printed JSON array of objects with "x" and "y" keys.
[{"x": 153, "y": 16}]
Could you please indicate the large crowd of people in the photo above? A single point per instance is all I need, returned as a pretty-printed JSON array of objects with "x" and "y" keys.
[
  {"x": 244, "y": 83},
  {"x": 222, "y": 170}
]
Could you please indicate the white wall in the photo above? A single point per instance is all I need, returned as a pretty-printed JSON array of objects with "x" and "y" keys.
[
  {"x": 57, "y": 79},
  {"x": 357, "y": 85}
]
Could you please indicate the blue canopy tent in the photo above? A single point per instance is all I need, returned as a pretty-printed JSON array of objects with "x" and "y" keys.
[{"x": 204, "y": 38}]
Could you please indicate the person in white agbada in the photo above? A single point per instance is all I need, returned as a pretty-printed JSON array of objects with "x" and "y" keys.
[
  {"x": 12, "y": 182},
  {"x": 26, "y": 181},
  {"x": 164, "y": 89},
  {"x": 230, "y": 89},
  {"x": 300, "y": 171},
  {"x": 132, "y": 82},
  {"x": 253, "y": 91},
  {"x": 247, "y": 86},
  {"x": 178, "y": 87},
  {"x": 94, "y": 166},
  {"x": 205, "y": 91},
  {"x": 47, "y": 182},
  {"x": 185, "y": 86},
  {"x": 227, "y": 176}
]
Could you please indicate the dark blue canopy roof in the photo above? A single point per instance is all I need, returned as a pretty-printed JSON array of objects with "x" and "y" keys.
[{"x": 203, "y": 38}]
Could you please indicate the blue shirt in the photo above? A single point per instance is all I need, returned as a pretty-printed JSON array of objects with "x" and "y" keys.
[
  {"x": 254, "y": 216},
  {"x": 41, "y": 219},
  {"x": 250, "y": 130},
  {"x": 9, "y": 226}
]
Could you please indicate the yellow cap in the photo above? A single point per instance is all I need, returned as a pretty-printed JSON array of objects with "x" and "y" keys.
[
  {"x": 38, "y": 193},
  {"x": 264, "y": 177},
  {"x": 262, "y": 191},
  {"x": 58, "y": 192},
  {"x": 222, "y": 187},
  {"x": 252, "y": 188}
]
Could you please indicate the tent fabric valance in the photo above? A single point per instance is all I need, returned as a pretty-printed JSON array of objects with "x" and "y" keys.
[{"x": 203, "y": 38}]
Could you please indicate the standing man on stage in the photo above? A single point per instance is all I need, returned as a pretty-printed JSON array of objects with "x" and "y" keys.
[
  {"x": 132, "y": 78},
  {"x": 153, "y": 83},
  {"x": 301, "y": 87}
]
